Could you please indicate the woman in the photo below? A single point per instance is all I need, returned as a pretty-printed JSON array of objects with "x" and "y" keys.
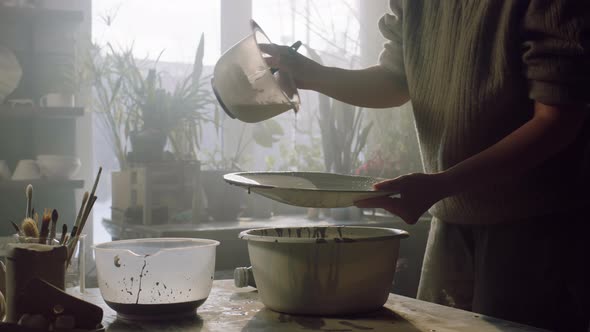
[{"x": 499, "y": 91}]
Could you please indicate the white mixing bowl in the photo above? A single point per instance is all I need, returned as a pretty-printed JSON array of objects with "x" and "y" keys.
[{"x": 153, "y": 279}]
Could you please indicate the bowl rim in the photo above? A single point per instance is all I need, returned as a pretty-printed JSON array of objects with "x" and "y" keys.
[
  {"x": 199, "y": 243},
  {"x": 389, "y": 234}
]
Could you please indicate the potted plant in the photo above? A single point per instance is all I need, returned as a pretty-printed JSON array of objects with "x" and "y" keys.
[
  {"x": 142, "y": 116},
  {"x": 137, "y": 108}
]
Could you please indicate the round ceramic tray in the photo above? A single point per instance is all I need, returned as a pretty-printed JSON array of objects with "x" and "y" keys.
[{"x": 309, "y": 189}]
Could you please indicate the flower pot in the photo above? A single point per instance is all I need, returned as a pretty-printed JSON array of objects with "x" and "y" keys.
[{"x": 148, "y": 146}]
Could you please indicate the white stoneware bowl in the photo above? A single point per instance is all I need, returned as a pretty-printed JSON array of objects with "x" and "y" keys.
[
  {"x": 26, "y": 170},
  {"x": 56, "y": 166},
  {"x": 323, "y": 270}
]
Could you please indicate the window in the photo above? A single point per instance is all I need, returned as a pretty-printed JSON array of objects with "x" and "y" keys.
[
  {"x": 170, "y": 31},
  {"x": 151, "y": 27}
]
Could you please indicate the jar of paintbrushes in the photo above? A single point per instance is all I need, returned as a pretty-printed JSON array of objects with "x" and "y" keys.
[{"x": 40, "y": 251}]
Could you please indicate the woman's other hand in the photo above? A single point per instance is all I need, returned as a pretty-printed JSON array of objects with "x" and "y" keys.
[{"x": 417, "y": 193}]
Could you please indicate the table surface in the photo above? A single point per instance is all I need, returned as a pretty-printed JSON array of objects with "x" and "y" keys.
[
  {"x": 247, "y": 223},
  {"x": 238, "y": 309}
]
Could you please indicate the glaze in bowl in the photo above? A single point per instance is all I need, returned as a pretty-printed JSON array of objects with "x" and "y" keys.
[{"x": 323, "y": 270}]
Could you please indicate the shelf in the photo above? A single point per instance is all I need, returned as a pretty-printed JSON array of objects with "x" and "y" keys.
[
  {"x": 25, "y": 111},
  {"x": 43, "y": 15},
  {"x": 42, "y": 183}
]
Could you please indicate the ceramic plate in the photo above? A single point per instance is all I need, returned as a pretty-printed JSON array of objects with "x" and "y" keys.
[{"x": 308, "y": 189}]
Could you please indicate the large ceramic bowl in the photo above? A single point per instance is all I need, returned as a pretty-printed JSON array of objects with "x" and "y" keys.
[
  {"x": 323, "y": 270},
  {"x": 155, "y": 279}
]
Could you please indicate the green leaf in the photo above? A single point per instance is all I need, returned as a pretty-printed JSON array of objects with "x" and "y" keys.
[{"x": 198, "y": 64}]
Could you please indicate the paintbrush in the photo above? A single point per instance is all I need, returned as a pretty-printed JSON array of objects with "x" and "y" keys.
[
  {"x": 29, "y": 194},
  {"x": 29, "y": 228},
  {"x": 53, "y": 227},
  {"x": 16, "y": 228},
  {"x": 45, "y": 227},
  {"x": 64, "y": 231},
  {"x": 36, "y": 218},
  {"x": 80, "y": 214},
  {"x": 90, "y": 203},
  {"x": 78, "y": 231},
  {"x": 89, "y": 206}
]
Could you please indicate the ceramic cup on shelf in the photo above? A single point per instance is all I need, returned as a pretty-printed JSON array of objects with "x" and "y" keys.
[
  {"x": 4, "y": 170},
  {"x": 26, "y": 170},
  {"x": 57, "y": 100}
]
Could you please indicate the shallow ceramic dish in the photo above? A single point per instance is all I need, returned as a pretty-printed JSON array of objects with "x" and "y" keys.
[
  {"x": 332, "y": 270},
  {"x": 309, "y": 189}
]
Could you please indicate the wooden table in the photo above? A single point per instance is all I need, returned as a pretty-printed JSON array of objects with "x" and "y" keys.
[{"x": 231, "y": 309}]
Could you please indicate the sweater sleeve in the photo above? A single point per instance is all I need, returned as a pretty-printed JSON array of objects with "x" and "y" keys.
[
  {"x": 556, "y": 51},
  {"x": 391, "y": 56}
]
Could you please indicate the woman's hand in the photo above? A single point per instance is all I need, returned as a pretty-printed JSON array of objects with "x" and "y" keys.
[
  {"x": 417, "y": 193},
  {"x": 287, "y": 60}
]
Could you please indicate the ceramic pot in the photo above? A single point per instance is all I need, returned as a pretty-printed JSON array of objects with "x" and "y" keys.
[
  {"x": 147, "y": 145},
  {"x": 324, "y": 270}
]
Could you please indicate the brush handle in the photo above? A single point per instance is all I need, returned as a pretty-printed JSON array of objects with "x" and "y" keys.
[
  {"x": 16, "y": 228},
  {"x": 52, "y": 230},
  {"x": 64, "y": 232},
  {"x": 53, "y": 227},
  {"x": 80, "y": 213},
  {"x": 29, "y": 193},
  {"x": 89, "y": 206}
]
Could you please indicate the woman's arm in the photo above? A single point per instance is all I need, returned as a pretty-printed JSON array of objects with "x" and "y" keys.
[
  {"x": 551, "y": 129},
  {"x": 372, "y": 87}
]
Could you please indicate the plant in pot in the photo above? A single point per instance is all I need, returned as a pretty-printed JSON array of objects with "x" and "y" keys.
[
  {"x": 139, "y": 109},
  {"x": 137, "y": 104},
  {"x": 226, "y": 202},
  {"x": 162, "y": 115}
]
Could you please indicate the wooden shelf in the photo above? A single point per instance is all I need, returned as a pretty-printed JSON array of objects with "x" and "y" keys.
[
  {"x": 41, "y": 183},
  {"x": 25, "y": 111},
  {"x": 43, "y": 15}
]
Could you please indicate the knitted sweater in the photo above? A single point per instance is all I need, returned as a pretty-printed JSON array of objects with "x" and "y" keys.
[{"x": 473, "y": 69}]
